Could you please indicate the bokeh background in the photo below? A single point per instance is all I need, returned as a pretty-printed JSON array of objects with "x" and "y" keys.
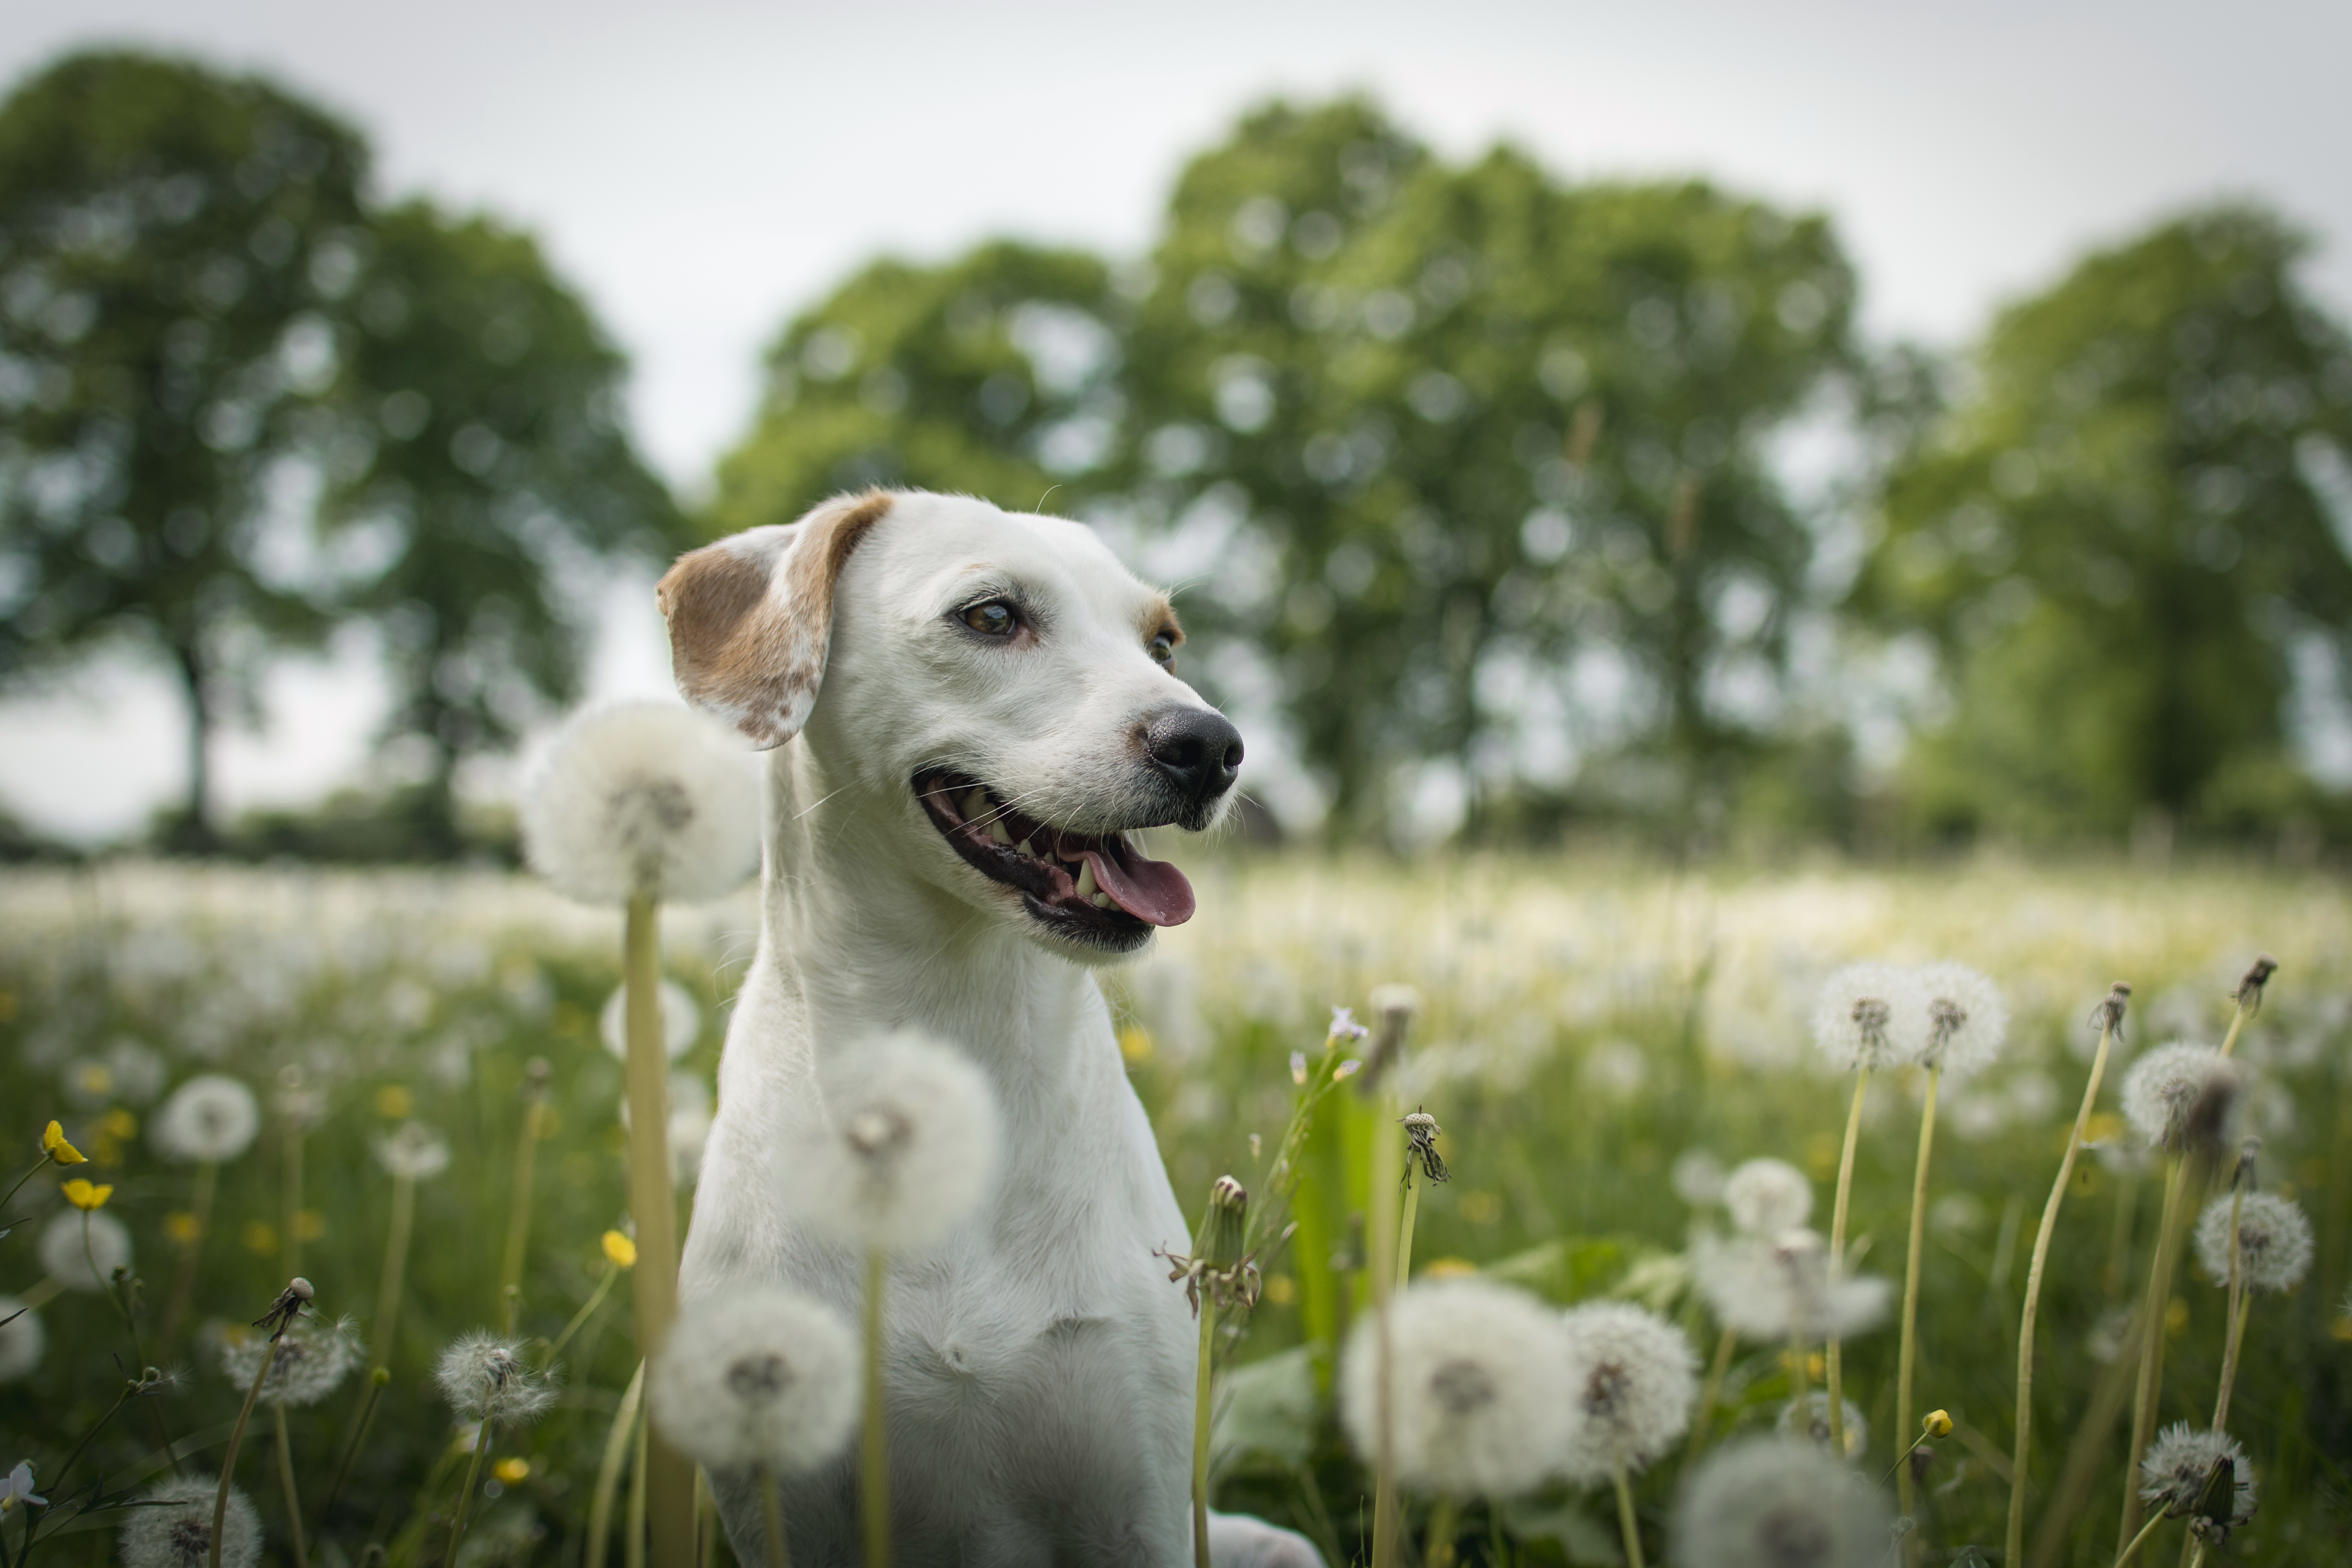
[{"x": 1721, "y": 429}]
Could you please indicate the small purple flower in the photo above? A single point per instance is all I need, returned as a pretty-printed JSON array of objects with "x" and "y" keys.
[
  {"x": 1299, "y": 1068},
  {"x": 1344, "y": 1025}
]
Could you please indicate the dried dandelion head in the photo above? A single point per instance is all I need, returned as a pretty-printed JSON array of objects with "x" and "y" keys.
[
  {"x": 1481, "y": 1401},
  {"x": 2273, "y": 1241},
  {"x": 1635, "y": 1378},
  {"x": 644, "y": 800},
  {"x": 2186, "y": 1469},
  {"x": 760, "y": 1376}
]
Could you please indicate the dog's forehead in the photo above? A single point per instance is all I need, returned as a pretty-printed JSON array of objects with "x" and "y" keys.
[{"x": 928, "y": 540}]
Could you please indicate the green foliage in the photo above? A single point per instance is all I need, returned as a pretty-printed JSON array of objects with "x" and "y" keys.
[
  {"x": 2124, "y": 536},
  {"x": 990, "y": 374},
  {"x": 168, "y": 241}
]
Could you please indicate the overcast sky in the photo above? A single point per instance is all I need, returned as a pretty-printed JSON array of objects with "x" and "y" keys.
[{"x": 700, "y": 169}]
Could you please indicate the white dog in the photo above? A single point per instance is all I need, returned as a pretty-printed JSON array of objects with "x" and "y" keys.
[{"x": 986, "y": 707}]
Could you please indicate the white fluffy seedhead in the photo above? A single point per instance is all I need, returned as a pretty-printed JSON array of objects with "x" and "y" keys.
[
  {"x": 1772, "y": 1501},
  {"x": 412, "y": 1152},
  {"x": 1780, "y": 1287},
  {"x": 79, "y": 1262},
  {"x": 2273, "y": 1241},
  {"x": 761, "y": 1376},
  {"x": 305, "y": 1364},
  {"x": 172, "y": 1527},
  {"x": 681, "y": 1020},
  {"x": 1869, "y": 1015},
  {"x": 22, "y": 1339},
  {"x": 2181, "y": 1096},
  {"x": 902, "y": 1147},
  {"x": 210, "y": 1119},
  {"x": 1966, "y": 1022},
  {"x": 1634, "y": 1377},
  {"x": 1767, "y": 1196},
  {"x": 1481, "y": 1400},
  {"x": 644, "y": 799},
  {"x": 1811, "y": 1421},
  {"x": 2181, "y": 1461},
  {"x": 487, "y": 1378}
]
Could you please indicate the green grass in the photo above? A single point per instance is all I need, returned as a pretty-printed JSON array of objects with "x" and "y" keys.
[{"x": 1588, "y": 1023}]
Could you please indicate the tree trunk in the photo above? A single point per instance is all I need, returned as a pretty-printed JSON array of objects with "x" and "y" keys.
[{"x": 190, "y": 831}]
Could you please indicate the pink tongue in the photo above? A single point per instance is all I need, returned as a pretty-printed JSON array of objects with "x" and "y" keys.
[{"x": 1150, "y": 891}]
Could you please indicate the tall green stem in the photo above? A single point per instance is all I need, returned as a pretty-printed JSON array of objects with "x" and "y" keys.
[
  {"x": 1404, "y": 1228},
  {"x": 608, "y": 1472},
  {"x": 466, "y": 1494},
  {"x": 1202, "y": 1411},
  {"x": 2015, "y": 1553},
  {"x": 874, "y": 1492},
  {"x": 184, "y": 1278},
  {"x": 771, "y": 1511},
  {"x": 2150, "y": 1385},
  {"x": 286, "y": 1484},
  {"x": 396, "y": 1265},
  {"x": 1387, "y": 1179},
  {"x": 2240, "y": 1304},
  {"x": 1627, "y": 1522},
  {"x": 652, "y": 1206},
  {"x": 1710, "y": 1393},
  {"x": 1444, "y": 1518},
  {"x": 1906, "y": 1358},
  {"x": 510, "y": 1266},
  {"x": 2131, "y": 1547},
  {"x": 228, "y": 1460},
  {"x": 289, "y": 1249},
  {"x": 1832, "y": 1361}
]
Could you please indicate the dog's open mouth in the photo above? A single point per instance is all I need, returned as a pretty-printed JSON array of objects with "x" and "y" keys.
[{"x": 1096, "y": 885}]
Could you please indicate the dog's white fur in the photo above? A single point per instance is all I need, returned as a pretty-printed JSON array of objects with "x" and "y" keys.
[{"x": 1040, "y": 1363}]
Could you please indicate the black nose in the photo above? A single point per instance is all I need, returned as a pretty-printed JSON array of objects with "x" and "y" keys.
[{"x": 1198, "y": 749}]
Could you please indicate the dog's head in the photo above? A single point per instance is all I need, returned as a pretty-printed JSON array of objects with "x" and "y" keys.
[{"x": 999, "y": 681}]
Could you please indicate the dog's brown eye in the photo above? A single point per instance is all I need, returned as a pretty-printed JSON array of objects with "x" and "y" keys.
[
  {"x": 1163, "y": 650},
  {"x": 994, "y": 618}
]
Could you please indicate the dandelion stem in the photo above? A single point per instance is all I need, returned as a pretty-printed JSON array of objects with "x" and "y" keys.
[
  {"x": 396, "y": 1267},
  {"x": 1832, "y": 1361},
  {"x": 235, "y": 1441},
  {"x": 2119, "y": 1240},
  {"x": 378, "y": 1377},
  {"x": 654, "y": 1209},
  {"x": 482, "y": 1435},
  {"x": 289, "y": 1248},
  {"x": 1711, "y": 1393},
  {"x": 1626, "y": 1521},
  {"x": 2241, "y": 1306},
  {"x": 608, "y": 1471},
  {"x": 587, "y": 1310},
  {"x": 874, "y": 1491},
  {"x": 771, "y": 1511},
  {"x": 2150, "y": 1385},
  {"x": 1801, "y": 1374},
  {"x": 2111, "y": 1016},
  {"x": 2131, "y": 1547},
  {"x": 37, "y": 1167},
  {"x": 184, "y": 1278},
  {"x": 1906, "y": 1358},
  {"x": 518, "y": 1214},
  {"x": 286, "y": 1483},
  {"x": 1443, "y": 1519},
  {"x": 1387, "y": 1179},
  {"x": 1202, "y": 1410},
  {"x": 632, "y": 1528}
]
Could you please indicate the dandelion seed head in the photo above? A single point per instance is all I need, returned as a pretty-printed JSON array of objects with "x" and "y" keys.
[
  {"x": 1867, "y": 1017},
  {"x": 761, "y": 1376},
  {"x": 681, "y": 1020},
  {"x": 646, "y": 799},
  {"x": 2273, "y": 1241},
  {"x": 1635, "y": 1378},
  {"x": 1811, "y": 1422},
  {"x": 486, "y": 1377},
  {"x": 1768, "y": 1502},
  {"x": 2181, "y": 1096},
  {"x": 1780, "y": 1288},
  {"x": 172, "y": 1527},
  {"x": 1966, "y": 1022},
  {"x": 22, "y": 1339},
  {"x": 1767, "y": 1196},
  {"x": 909, "y": 1148},
  {"x": 210, "y": 1119},
  {"x": 1698, "y": 1178},
  {"x": 67, "y": 1261},
  {"x": 2181, "y": 1461},
  {"x": 412, "y": 1152},
  {"x": 306, "y": 1363},
  {"x": 1482, "y": 1402}
]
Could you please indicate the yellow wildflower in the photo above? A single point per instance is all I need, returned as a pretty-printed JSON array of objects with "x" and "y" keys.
[
  {"x": 1939, "y": 1424},
  {"x": 620, "y": 1249},
  {"x": 83, "y": 1195},
  {"x": 513, "y": 1472},
  {"x": 180, "y": 1228},
  {"x": 54, "y": 1145},
  {"x": 395, "y": 1101}
]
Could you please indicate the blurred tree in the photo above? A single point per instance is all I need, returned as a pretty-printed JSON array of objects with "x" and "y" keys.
[
  {"x": 2126, "y": 538},
  {"x": 483, "y": 470},
  {"x": 991, "y": 374},
  {"x": 1481, "y": 462},
  {"x": 170, "y": 243}
]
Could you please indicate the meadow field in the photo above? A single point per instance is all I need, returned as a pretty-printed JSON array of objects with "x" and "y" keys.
[{"x": 1602, "y": 1039}]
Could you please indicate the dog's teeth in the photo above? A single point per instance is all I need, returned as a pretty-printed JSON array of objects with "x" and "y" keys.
[
  {"x": 974, "y": 802},
  {"x": 996, "y": 831},
  {"x": 1087, "y": 881},
  {"x": 1029, "y": 850},
  {"x": 1100, "y": 900}
]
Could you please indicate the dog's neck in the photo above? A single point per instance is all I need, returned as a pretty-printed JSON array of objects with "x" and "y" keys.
[{"x": 861, "y": 941}]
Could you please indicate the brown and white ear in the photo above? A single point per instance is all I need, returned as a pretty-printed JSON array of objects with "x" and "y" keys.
[{"x": 751, "y": 617}]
